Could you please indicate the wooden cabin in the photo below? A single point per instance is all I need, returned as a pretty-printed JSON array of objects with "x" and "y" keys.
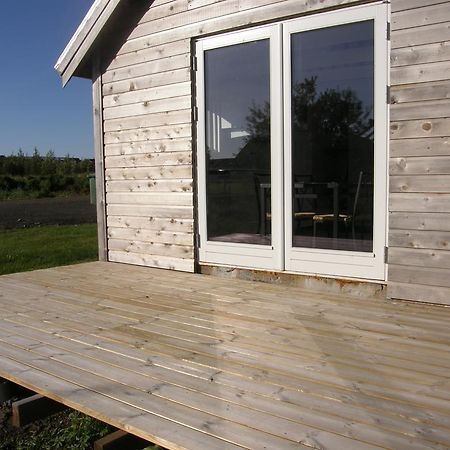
[{"x": 274, "y": 139}]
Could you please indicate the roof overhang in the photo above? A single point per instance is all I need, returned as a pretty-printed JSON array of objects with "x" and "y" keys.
[{"x": 75, "y": 60}]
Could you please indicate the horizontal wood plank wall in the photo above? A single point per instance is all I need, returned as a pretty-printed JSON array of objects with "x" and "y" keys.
[
  {"x": 147, "y": 124},
  {"x": 419, "y": 231}
]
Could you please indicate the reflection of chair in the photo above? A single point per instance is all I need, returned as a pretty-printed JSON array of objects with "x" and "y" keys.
[
  {"x": 304, "y": 202},
  {"x": 340, "y": 218},
  {"x": 262, "y": 187}
]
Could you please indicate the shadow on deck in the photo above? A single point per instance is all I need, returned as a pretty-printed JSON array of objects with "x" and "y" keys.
[{"x": 199, "y": 362}]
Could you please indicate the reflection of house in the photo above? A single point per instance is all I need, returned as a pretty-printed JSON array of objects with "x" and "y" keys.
[
  {"x": 143, "y": 86},
  {"x": 223, "y": 138},
  {"x": 254, "y": 155}
]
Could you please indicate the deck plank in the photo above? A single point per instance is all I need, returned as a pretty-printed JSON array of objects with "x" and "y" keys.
[
  {"x": 140, "y": 374},
  {"x": 228, "y": 363}
]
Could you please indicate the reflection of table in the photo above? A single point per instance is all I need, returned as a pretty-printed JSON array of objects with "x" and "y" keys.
[{"x": 264, "y": 190}]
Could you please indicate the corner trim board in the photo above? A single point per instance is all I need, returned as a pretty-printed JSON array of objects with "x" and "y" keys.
[{"x": 97, "y": 99}]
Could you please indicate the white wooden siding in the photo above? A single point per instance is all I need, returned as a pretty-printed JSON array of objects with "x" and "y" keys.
[
  {"x": 147, "y": 124},
  {"x": 419, "y": 235}
]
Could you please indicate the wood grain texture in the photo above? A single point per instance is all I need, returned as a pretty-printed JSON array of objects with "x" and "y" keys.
[
  {"x": 163, "y": 262},
  {"x": 420, "y": 257},
  {"x": 148, "y": 134},
  {"x": 225, "y": 16},
  {"x": 419, "y": 166},
  {"x": 148, "y": 107},
  {"x": 147, "y": 54},
  {"x": 147, "y": 110},
  {"x": 135, "y": 246},
  {"x": 191, "y": 361},
  {"x": 170, "y": 185},
  {"x": 147, "y": 96},
  {"x": 432, "y": 276},
  {"x": 420, "y": 110},
  {"x": 420, "y": 183},
  {"x": 148, "y": 81},
  {"x": 427, "y": 34},
  {"x": 418, "y": 292},
  {"x": 438, "y": 240},
  {"x": 420, "y": 221},
  {"x": 420, "y": 92},
  {"x": 420, "y": 73},
  {"x": 158, "y": 225},
  {"x": 422, "y": 202},
  {"x": 420, "y": 54},
  {"x": 151, "y": 211},
  {"x": 149, "y": 198},
  {"x": 150, "y": 173},
  {"x": 149, "y": 120},
  {"x": 156, "y": 145},
  {"x": 402, "y": 5},
  {"x": 420, "y": 128},
  {"x": 149, "y": 160},
  {"x": 151, "y": 236},
  {"x": 249, "y": 10},
  {"x": 420, "y": 147},
  {"x": 100, "y": 193},
  {"x": 426, "y": 15},
  {"x": 167, "y": 64}
]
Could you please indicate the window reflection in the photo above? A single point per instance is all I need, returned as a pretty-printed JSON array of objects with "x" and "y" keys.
[
  {"x": 332, "y": 137},
  {"x": 238, "y": 143},
  {"x": 332, "y": 100}
]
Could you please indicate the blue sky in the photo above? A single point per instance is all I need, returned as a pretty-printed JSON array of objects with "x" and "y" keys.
[{"x": 34, "y": 109}]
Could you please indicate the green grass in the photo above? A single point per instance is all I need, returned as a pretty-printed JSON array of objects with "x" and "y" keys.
[{"x": 41, "y": 247}]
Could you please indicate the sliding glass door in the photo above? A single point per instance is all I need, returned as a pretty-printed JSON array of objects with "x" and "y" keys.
[
  {"x": 292, "y": 145},
  {"x": 240, "y": 148}
]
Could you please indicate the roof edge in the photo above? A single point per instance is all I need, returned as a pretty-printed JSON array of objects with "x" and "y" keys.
[{"x": 84, "y": 37}]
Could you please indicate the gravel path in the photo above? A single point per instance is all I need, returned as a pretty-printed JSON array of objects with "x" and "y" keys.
[{"x": 46, "y": 211}]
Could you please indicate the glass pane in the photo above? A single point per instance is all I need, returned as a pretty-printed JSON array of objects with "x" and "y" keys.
[
  {"x": 237, "y": 95},
  {"x": 332, "y": 137}
]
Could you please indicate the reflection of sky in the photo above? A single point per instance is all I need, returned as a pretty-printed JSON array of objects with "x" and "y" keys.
[
  {"x": 341, "y": 57},
  {"x": 236, "y": 77}
]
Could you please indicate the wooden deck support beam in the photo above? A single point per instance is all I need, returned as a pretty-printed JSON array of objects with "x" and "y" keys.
[
  {"x": 9, "y": 390},
  {"x": 34, "y": 408},
  {"x": 120, "y": 440}
]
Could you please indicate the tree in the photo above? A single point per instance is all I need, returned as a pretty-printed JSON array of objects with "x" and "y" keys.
[
  {"x": 258, "y": 122},
  {"x": 49, "y": 163},
  {"x": 36, "y": 162},
  {"x": 334, "y": 113}
]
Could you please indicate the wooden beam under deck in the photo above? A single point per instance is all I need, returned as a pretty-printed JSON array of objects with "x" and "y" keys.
[{"x": 197, "y": 362}]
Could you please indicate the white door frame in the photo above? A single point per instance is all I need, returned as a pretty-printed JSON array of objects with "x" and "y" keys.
[
  {"x": 369, "y": 265},
  {"x": 281, "y": 255},
  {"x": 239, "y": 254}
]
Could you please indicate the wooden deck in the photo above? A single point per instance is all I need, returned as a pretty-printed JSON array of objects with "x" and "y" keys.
[{"x": 197, "y": 362}]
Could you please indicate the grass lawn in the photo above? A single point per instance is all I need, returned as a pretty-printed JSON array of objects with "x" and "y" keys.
[{"x": 40, "y": 247}]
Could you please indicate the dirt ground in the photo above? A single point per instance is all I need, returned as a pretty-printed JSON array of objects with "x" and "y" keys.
[{"x": 46, "y": 211}]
